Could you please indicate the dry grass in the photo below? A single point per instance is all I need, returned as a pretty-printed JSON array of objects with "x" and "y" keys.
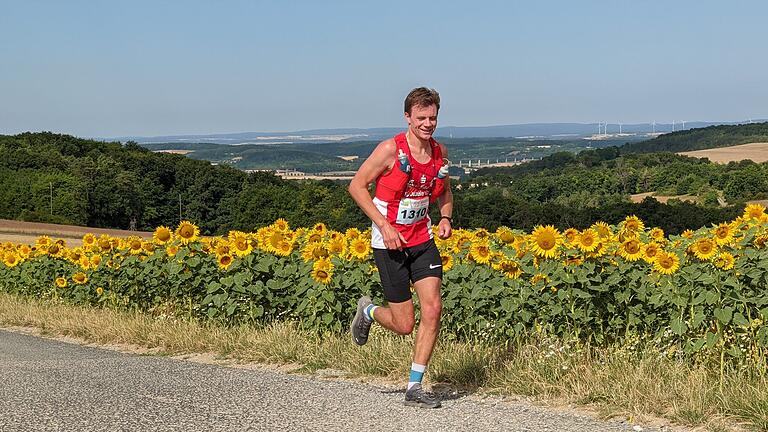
[
  {"x": 757, "y": 152},
  {"x": 634, "y": 383},
  {"x": 27, "y": 232}
]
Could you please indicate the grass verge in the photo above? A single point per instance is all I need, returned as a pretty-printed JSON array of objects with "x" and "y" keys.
[{"x": 636, "y": 384}]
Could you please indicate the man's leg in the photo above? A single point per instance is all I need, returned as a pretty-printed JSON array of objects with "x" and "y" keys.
[
  {"x": 431, "y": 305},
  {"x": 428, "y": 290}
]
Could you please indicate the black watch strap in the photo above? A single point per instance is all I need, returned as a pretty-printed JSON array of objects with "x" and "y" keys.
[{"x": 450, "y": 221}]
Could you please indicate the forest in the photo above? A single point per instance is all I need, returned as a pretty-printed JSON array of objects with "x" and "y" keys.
[{"x": 63, "y": 179}]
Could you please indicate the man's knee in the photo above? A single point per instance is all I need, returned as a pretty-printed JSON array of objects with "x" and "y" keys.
[
  {"x": 404, "y": 327},
  {"x": 430, "y": 313}
]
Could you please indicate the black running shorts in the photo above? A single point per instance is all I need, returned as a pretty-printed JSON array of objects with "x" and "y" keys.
[{"x": 398, "y": 269}]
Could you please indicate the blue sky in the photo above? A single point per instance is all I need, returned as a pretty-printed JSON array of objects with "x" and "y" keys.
[{"x": 105, "y": 69}]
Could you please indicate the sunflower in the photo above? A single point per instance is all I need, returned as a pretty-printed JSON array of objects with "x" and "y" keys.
[
  {"x": 95, "y": 260},
  {"x": 281, "y": 225},
  {"x": 221, "y": 247},
  {"x": 650, "y": 251},
  {"x": 148, "y": 247},
  {"x": 84, "y": 262},
  {"x": 447, "y": 261},
  {"x": 99, "y": 291},
  {"x": 162, "y": 235},
  {"x": 545, "y": 241},
  {"x": 570, "y": 235},
  {"x": 360, "y": 248},
  {"x": 338, "y": 245},
  {"x": 239, "y": 244},
  {"x": 704, "y": 249},
  {"x": 171, "y": 250},
  {"x": 725, "y": 261},
  {"x": 463, "y": 239},
  {"x": 480, "y": 252},
  {"x": 352, "y": 233},
  {"x": 11, "y": 259},
  {"x": 754, "y": 211},
  {"x": 105, "y": 243},
  {"x": 224, "y": 261},
  {"x": 54, "y": 249},
  {"x": 79, "y": 278},
  {"x": 505, "y": 235},
  {"x": 631, "y": 249},
  {"x": 760, "y": 241},
  {"x": 314, "y": 252},
  {"x": 633, "y": 223},
  {"x": 539, "y": 277},
  {"x": 284, "y": 248},
  {"x": 61, "y": 282},
  {"x": 322, "y": 270},
  {"x": 687, "y": 234},
  {"x": 510, "y": 268},
  {"x": 89, "y": 241},
  {"x": 43, "y": 241},
  {"x": 603, "y": 229},
  {"x": 320, "y": 228},
  {"x": 25, "y": 251},
  {"x": 134, "y": 244},
  {"x": 587, "y": 240},
  {"x": 187, "y": 232},
  {"x": 481, "y": 234},
  {"x": 723, "y": 234},
  {"x": 657, "y": 234},
  {"x": 666, "y": 262}
]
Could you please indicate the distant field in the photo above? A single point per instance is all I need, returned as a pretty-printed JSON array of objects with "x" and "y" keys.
[
  {"x": 27, "y": 232},
  {"x": 636, "y": 198},
  {"x": 757, "y": 152}
]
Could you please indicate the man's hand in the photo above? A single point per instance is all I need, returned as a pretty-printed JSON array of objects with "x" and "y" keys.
[
  {"x": 444, "y": 229},
  {"x": 393, "y": 239}
]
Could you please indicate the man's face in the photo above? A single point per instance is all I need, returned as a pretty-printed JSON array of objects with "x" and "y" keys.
[{"x": 422, "y": 121}]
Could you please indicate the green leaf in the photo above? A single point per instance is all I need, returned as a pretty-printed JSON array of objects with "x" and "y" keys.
[
  {"x": 678, "y": 326},
  {"x": 724, "y": 315},
  {"x": 740, "y": 320},
  {"x": 712, "y": 339}
]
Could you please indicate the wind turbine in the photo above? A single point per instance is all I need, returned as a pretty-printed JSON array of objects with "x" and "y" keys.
[
  {"x": 673, "y": 125},
  {"x": 654, "y": 126}
]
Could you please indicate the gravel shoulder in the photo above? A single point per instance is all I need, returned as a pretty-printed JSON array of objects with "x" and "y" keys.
[{"x": 51, "y": 384}]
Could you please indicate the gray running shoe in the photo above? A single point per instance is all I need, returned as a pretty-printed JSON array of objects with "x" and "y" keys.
[
  {"x": 417, "y": 397},
  {"x": 361, "y": 324}
]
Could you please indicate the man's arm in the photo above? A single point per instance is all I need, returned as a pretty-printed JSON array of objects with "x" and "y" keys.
[
  {"x": 445, "y": 202},
  {"x": 381, "y": 160}
]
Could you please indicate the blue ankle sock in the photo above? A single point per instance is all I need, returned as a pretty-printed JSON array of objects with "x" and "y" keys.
[
  {"x": 369, "y": 311},
  {"x": 417, "y": 373}
]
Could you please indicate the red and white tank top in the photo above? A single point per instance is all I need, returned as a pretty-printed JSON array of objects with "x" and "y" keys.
[{"x": 403, "y": 198}]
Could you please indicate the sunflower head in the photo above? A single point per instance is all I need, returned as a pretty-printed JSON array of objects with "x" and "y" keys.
[
  {"x": 61, "y": 282},
  {"x": 725, "y": 261},
  {"x": 633, "y": 223},
  {"x": 162, "y": 235},
  {"x": 545, "y": 241},
  {"x": 89, "y": 240},
  {"x": 587, "y": 240},
  {"x": 224, "y": 261},
  {"x": 723, "y": 233},
  {"x": 631, "y": 249},
  {"x": 704, "y": 249},
  {"x": 360, "y": 248},
  {"x": 187, "y": 232},
  {"x": 10, "y": 259},
  {"x": 446, "y": 261},
  {"x": 657, "y": 234},
  {"x": 603, "y": 229},
  {"x": 79, "y": 278},
  {"x": 480, "y": 252},
  {"x": 754, "y": 211},
  {"x": 666, "y": 262},
  {"x": 322, "y": 270},
  {"x": 281, "y": 225}
]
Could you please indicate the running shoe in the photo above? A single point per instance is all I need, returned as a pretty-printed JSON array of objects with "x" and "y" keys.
[
  {"x": 361, "y": 325},
  {"x": 417, "y": 397}
]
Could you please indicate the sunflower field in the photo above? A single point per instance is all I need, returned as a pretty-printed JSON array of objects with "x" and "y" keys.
[{"x": 700, "y": 293}]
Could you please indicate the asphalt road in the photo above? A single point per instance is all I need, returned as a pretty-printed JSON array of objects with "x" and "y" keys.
[{"x": 49, "y": 385}]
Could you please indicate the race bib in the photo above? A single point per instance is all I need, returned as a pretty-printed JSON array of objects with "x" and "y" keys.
[{"x": 411, "y": 210}]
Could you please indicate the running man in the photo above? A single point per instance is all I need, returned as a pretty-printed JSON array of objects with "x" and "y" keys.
[{"x": 409, "y": 172}]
